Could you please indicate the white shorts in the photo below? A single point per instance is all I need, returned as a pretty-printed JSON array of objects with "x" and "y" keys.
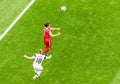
[{"x": 38, "y": 69}]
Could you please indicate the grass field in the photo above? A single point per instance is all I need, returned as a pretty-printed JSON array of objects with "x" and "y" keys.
[
  {"x": 87, "y": 52},
  {"x": 9, "y": 11}
]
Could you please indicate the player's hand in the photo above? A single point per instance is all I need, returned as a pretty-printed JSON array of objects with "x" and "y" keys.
[
  {"x": 25, "y": 56},
  {"x": 59, "y": 33},
  {"x": 58, "y": 28},
  {"x": 50, "y": 56}
]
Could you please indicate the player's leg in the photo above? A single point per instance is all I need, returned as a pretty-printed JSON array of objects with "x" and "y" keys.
[
  {"x": 48, "y": 44},
  {"x": 38, "y": 71},
  {"x": 37, "y": 75}
]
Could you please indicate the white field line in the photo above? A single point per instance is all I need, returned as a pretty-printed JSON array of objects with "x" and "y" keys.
[
  {"x": 116, "y": 79},
  {"x": 15, "y": 21}
]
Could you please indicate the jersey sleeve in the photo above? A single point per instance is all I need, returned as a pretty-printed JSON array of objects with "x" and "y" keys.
[
  {"x": 44, "y": 57},
  {"x": 34, "y": 56}
]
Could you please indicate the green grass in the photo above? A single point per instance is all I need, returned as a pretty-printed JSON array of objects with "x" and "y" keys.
[
  {"x": 87, "y": 52},
  {"x": 9, "y": 10}
]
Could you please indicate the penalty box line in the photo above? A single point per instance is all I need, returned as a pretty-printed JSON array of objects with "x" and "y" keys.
[{"x": 16, "y": 20}]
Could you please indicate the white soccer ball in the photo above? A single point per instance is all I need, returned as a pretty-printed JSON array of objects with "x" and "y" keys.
[{"x": 63, "y": 8}]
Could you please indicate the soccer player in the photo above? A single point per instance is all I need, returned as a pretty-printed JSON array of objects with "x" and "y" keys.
[
  {"x": 48, "y": 36},
  {"x": 38, "y": 59}
]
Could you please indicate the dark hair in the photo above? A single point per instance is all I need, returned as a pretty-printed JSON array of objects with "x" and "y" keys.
[{"x": 47, "y": 24}]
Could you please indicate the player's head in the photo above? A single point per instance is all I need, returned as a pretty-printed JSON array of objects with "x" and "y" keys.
[
  {"x": 40, "y": 51},
  {"x": 47, "y": 24}
]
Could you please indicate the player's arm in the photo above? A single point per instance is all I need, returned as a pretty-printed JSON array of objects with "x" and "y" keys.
[
  {"x": 28, "y": 57},
  {"x": 48, "y": 57},
  {"x": 58, "y": 34},
  {"x": 54, "y": 28}
]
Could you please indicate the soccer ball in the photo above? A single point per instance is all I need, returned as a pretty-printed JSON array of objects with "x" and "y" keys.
[{"x": 63, "y": 8}]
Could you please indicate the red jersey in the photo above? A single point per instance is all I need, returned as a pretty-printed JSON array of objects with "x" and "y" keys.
[{"x": 47, "y": 35}]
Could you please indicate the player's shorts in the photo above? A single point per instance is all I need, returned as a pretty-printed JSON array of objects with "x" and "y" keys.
[{"x": 38, "y": 69}]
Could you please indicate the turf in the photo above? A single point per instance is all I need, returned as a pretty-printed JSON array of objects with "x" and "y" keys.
[
  {"x": 9, "y": 10},
  {"x": 87, "y": 52}
]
